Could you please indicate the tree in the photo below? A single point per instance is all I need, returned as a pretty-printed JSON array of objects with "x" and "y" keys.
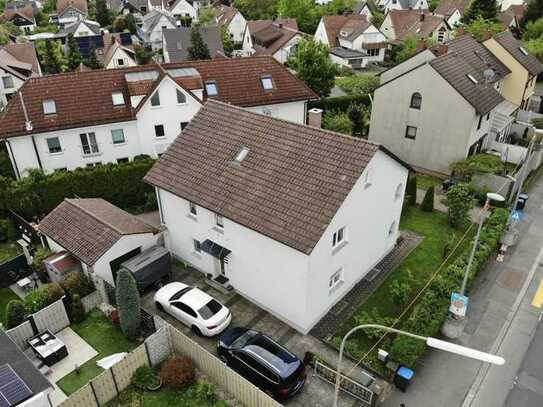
[
  {"x": 459, "y": 201},
  {"x": 15, "y": 313},
  {"x": 103, "y": 15},
  {"x": 51, "y": 56},
  {"x": 533, "y": 12},
  {"x": 432, "y": 4},
  {"x": 377, "y": 19},
  {"x": 427, "y": 204},
  {"x": 91, "y": 7},
  {"x": 312, "y": 65},
  {"x": 533, "y": 30},
  {"x": 128, "y": 304},
  {"x": 256, "y": 9},
  {"x": 78, "y": 312},
  {"x": 357, "y": 115},
  {"x": 8, "y": 30},
  {"x": 130, "y": 21},
  {"x": 198, "y": 48},
  {"x": 92, "y": 61},
  {"x": 337, "y": 121},
  {"x": 119, "y": 24},
  {"x": 74, "y": 56},
  {"x": 409, "y": 48},
  {"x": 206, "y": 15},
  {"x": 337, "y": 7},
  {"x": 304, "y": 11},
  {"x": 485, "y": 9},
  {"x": 478, "y": 27},
  {"x": 227, "y": 42},
  {"x": 535, "y": 47},
  {"x": 143, "y": 55},
  {"x": 411, "y": 190},
  {"x": 360, "y": 84}
]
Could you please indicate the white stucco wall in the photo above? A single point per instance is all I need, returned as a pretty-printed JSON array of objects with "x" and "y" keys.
[
  {"x": 286, "y": 50},
  {"x": 293, "y": 111},
  {"x": 120, "y": 54},
  {"x": 320, "y": 33},
  {"x": 17, "y": 83},
  {"x": 183, "y": 8},
  {"x": 237, "y": 27},
  {"x": 154, "y": 38}
]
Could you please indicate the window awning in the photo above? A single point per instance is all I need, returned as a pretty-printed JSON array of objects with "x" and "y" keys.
[{"x": 214, "y": 249}]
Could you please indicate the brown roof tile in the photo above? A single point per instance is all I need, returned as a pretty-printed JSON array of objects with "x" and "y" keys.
[
  {"x": 88, "y": 228},
  {"x": 289, "y": 186},
  {"x": 80, "y": 5},
  {"x": 414, "y": 23},
  {"x": 447, "y": 7},
  {"x": 26, "y": 12},
  {"x": 84, "y": 98},
  {"x": 25, "y": 52},
  {"x": 269, "y": 36},
  {"x": 515, "y": 48}
]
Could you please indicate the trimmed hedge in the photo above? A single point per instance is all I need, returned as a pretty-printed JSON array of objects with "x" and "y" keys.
[
  {"x": 429, "y": 314},
  {"x": 36, "y": 195},
  {"x": 340, "y": 103}
]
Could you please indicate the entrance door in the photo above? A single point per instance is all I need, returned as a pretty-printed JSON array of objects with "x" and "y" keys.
[{"x": 220, "y": 267}]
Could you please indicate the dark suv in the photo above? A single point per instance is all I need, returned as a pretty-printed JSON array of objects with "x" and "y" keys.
[{"x": 262, "y": 361}]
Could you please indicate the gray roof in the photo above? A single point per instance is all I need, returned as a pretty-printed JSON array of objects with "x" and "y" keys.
[
  {"x": 72, "y": 28},
  {"x": 177, "y": 42},
  {"x": 12, "y": 355},
  {"x": 514, "y": 47},
  {"x": 153, "y": 17},
  {"x": 408, "y": 4},
  {"x": 347, "y": 53}
]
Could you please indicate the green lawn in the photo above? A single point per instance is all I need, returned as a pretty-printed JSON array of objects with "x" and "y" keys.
[
  {"x": 8, "y": 251},
  {"x": 421, "y": 264},
  {"x": 99, "y": 333},
  {"x": 426, "y": 181},
  {"x": 6, "y": 295}
]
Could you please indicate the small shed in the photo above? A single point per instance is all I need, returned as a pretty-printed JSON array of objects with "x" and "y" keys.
[
  {"x": 150, "y": 266},
  {"x": 60, "y": 264}
]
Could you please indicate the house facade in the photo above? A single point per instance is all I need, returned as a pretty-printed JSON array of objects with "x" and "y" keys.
[
  {"x": 121, "y": 113},
  {"x": 154, "y": 23},
  {"x": 22, "y": 17},
  {"x": 519, "y": 86},
  {"x": 233, "y": 20},
  {"x": 353, "y": 40},
  {"x": 176, "y": 43},
  {"x": 399, "y": 25},
  {"x": 412, "y": 113},
  {"x": 295, "y": 256},
  {"x": 388, "y": 5},
  {"x": 452, "y": 10},
  {"x": 69, "y": 11}
]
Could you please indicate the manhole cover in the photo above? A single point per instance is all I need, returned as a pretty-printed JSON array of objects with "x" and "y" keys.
[{"x": 339, "y": 307}]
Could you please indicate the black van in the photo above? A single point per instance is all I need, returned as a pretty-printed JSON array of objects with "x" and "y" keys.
[{"x": 261, "y": 360}]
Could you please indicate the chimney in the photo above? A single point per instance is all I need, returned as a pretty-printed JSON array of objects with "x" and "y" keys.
[
  {"x": 422, "y": 16},
  {"x": 460, "y": 31},
  {"x": 314, "y": 118},
  {"x": 487, "y": 34},
  {"x": 421, "y": 45}
]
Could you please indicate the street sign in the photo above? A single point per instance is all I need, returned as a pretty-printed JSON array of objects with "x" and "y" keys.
[
  {"x": 459, "y": 304},
  {"x": 516, "y": 215}
]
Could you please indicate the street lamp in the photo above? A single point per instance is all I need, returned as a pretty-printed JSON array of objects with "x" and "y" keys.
[{"x": 432, "y": 342}]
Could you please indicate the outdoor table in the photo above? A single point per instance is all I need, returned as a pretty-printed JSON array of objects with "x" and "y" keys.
[
  {"x": 24, "y": 284},
  {"x": 48, "y": 348}
]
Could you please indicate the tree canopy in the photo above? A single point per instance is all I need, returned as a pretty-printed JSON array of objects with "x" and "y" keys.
[
  {"x": 198, "y": 48},
  {"x": 485, "y": 9}
]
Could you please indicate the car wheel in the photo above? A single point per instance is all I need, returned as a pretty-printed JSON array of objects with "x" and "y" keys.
[
  {"x": 159, "y": 306},
  {"x": 196, "y": 330}
]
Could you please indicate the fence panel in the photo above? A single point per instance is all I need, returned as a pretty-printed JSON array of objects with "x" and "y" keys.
[
  {"x": 21, "y": 334},
  {"x": 52, "y": 317},
  {"x": 91, "y": 301},
  {"x": 223, "y": 376},
  {"x": 124, "y": 370},
  {"x": 104, "y": 387},
  {"x": 83, "y": 397},
  {"x": 159, "y": 346}
]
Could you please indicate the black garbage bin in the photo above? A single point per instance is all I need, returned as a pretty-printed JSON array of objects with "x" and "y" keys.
[
  {"x": 403, "y": 378},
  {"x": 521, "y": 203}
]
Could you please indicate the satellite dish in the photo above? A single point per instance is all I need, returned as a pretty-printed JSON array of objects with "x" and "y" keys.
[{"x": 489, "y": 74}]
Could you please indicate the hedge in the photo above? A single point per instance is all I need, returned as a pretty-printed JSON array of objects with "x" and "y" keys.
[
  {"x": 430, "y": 312},
  {"x": 340, "y": 103},
  {"x": 36, "y": 195}
]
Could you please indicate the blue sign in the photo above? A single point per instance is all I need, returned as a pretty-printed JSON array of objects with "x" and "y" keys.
[
  {"x": 516, "y": 215},
  {"x": 459, "y": 304}
]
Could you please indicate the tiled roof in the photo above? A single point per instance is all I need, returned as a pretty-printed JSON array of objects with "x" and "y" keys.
[
  {"x": 288, "y": 187},
  {"x": 84, "y": 98},
  {"x": 178, "y": 41},
  {"x": 27, "y": 12},
  {"x": 447, "y": 7},
  {"x": 22, "y": 52},
  {"x": 414, "y": 23},
  {"x": 88, "y": 228},
  {"x": 225, "y": 14},
  {"x": 332, "y": 25},
  {"x": 80, "y": 5},
  {"x": 269, "y": 36},
  {"x": 353, "y": 27},
  {"x": 73, "y": 27},
  {"x": 515, "y": 48}
]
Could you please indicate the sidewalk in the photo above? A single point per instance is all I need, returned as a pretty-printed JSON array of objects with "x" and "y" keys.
[{"x": 498, "y": 320}]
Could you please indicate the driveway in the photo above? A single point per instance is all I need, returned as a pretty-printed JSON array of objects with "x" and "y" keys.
[{"x": 316, "y": 392}]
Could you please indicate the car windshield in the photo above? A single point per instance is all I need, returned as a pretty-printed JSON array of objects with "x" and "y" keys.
[
  {"x": 180, "y": 293},
  {"x": 243, "y": 339},
  {"x": 210, "y": 309}
]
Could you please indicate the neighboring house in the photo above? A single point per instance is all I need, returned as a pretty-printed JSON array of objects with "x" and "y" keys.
[
  {"x": 388, "y": 5},
  {"x": 97, "y": 233},
  {"x": 452, "y": 10},
  {"x": 138, "y": 7},
  {"x": 233, "y": 20},
  {"x": 353, "y": 40},
  {"x": 21, "y": 383},
  {"x": 22, "y": 17},
  {"x": 69, "y": 11},
  {"x": 506, "y": 4},
  {"x": 188, "y": 8},
  {"x": 275, "y": 38},
  {"x": 364, "y": 8},
  {"x": 512, "y": 16},
  {"x": 81, "y": 28},
  {"x": 402, "y": 24},
  {"x": 118, "y": 114},
  {"x": 18, "y": 62},
  {"x": 176, "y": 43},
  {"x": 519, "y": 86},
  {"x": 118, "y": 51},
  {"x": 154, "y": 23},
  {"x": 442, "y": 105},
  {"x": 279, "y": 210}
]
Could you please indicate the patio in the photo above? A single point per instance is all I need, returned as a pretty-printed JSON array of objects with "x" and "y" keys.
[{"x": 32, "y": 283}]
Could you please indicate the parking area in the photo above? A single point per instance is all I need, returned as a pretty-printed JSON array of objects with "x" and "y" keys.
[{"x": 244, "y": 313}]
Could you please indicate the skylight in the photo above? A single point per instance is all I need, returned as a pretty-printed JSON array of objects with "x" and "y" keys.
[
  {"x": 49, "y": 107},
  {"x": 523, "y": 50},
  {"x": 267, "y": 82},
  {"x": 118, "y": 98},
  {"x": 241, "y": 154},
  {"x": 211, "y": 88},
  {"x": 472, "y": 78}
]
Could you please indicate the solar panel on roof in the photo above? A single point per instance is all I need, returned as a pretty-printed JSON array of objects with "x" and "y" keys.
[{"x": 13, "y": 389}]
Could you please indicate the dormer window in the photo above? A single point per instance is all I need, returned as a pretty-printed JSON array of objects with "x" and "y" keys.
[
  {"x": 267, "y": 82},
  {"x": 211, "y": 88},
  {"x": 49, "y": 107},
  {"x": 118, "y": 98},
  {"x": 155, "y": 99}
]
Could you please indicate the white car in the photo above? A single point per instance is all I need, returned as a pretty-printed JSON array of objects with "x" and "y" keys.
[{"x": 193, "y": 307}]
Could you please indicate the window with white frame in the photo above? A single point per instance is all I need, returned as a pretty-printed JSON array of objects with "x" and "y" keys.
[
  {"x": 399, "y": 191},
  {"x": 335, "y": 279},
  {"x": 219, "y": 221},
  {"x": 392, "y": 228},
  {"x": 155, "y": 99},
  {"x": 49, "y": 107},
  {"x": 197, "y": 246},
  {"x": 117, "y": 136},
  {"x": 89, "y": 145},
  {"x": 7, "y": 82},
  {"x": 338, "y": 237},
  {"x": 118, "y": 98},
  {"x": 53, "y": 144},
  {"x": 192, "y": 209}
]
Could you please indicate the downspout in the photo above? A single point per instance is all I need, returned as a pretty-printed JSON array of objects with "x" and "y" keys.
[
  {"x": 28, "y": 126},
  {"x": 13, "y": 162}
]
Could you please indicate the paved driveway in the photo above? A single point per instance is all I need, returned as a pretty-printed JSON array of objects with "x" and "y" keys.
[{"x": 316, "y": 392}]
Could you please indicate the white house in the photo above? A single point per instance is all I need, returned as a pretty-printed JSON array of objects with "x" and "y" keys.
[
  {"x": 118, "y": 51},
  {"x": 154, "y": 23},
  {"x": 364, "y": 8},
  {"x": 353, "y": 40},
  {"x": 452, "y": 10},
  {"x": 399, "y": 25},
  {"x": 233, "y": 20},
  {"x": 188, "y": 8},
  {"x": 82, "y": 28},
  {"x": 21, "y": 17},
  {"x": 99, "y": 234},
  {"x": 289, "y": 215},
  {"x": 118, "y": 114},
  {"x": 388, "y": 5},
  {"x": 69, "y": 11},
  {"x": 18, "y": 62}
]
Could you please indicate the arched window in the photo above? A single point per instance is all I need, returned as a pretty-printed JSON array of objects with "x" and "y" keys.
[{"x": 416, "y": 100}]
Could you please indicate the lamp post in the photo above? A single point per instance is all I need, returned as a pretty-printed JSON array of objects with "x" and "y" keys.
[{"x": 432, "y": 342}]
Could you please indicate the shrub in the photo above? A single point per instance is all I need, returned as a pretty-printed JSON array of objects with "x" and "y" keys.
[
  {"x": 8, "y": 230},
  {"x": 77, "y": 283},
  {"x": 427, "y": 204},
  {"x": 400, "y": 292},
  {"x": 485, "y": 163},
  {"x": 178, "y": 372},
  {"x": 42, "y": 297},
  {"x": 339, "y": 104},
  {"x": 411, "y": 191},
  {"x": 373, "y": 317},
  {"x": 128, "y": 304},
  {"x": 459, "y": 200},
  {"x": 37, "y": 262},
  {"x": 15, "y": 313},
  {"x": 78, "y": 312},
  {"x": 337, "y": 121},
  {"x": 205, "y": 392},
  {"x": 143, "y": 377},
  {"x": 538, "y": 123},
  {"x": 361, "y": 84}
]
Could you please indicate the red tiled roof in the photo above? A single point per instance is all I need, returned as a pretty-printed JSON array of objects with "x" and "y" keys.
[
  {"x": 84, "y": 98},
  {"x": 272, "y": 35},
  {"x": 26, "y": 12},
  {"x": 80, "y": 5},
  {"x": 414, "y": 23},
  {"x": 25, "y": 52},
  {"x": 447, "y": 7}
]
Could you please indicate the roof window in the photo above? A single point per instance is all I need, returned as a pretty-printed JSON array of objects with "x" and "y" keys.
[
  {"x": 241, "y": 155},
  {"x": 267, "y": 82},
  {"x": 118, "y": 98},
  {"x": 523, "y": 50},
  {"x": 211, "y": 88},
  {"x": 49, "y": 107},
  {"x": 472, "y": 78}
]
